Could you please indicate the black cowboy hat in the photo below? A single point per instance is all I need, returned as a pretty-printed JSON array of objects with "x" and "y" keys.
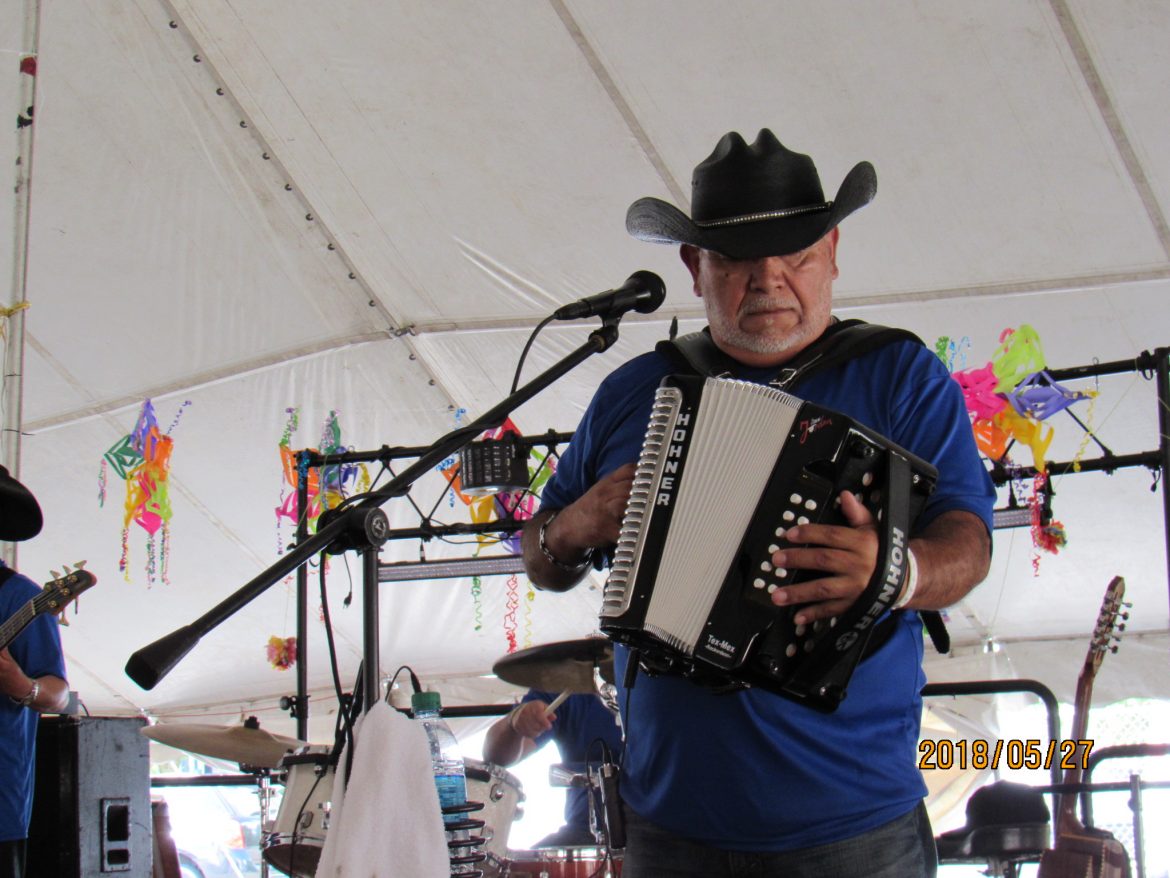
[
  {"x": 753, "y": 201},
  {"x": 20, "y": 515}
]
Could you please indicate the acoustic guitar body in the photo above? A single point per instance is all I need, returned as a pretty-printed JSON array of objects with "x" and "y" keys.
[{"x": 1085, "y": 856}]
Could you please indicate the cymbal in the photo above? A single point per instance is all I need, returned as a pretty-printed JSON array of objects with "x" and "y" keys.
[
  {"x": 565, "y": 666},
  {"x": 244, "y": 744}
]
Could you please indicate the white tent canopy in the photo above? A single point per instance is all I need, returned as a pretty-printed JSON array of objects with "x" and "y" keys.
[{"x": 242, "y": 208}]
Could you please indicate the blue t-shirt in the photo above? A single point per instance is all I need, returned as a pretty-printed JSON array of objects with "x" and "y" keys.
[
  {"x": 581, "y": 720},
  {"x": 752, "y": 770},
  {"x": 37, "y": 650}
]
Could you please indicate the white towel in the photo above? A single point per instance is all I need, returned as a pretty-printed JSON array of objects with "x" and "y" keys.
[{"x": 387, "y": 823}]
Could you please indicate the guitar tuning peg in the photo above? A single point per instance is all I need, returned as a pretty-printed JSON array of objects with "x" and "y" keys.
[
  {"x": 55, "y": 574},
  {"x": 78, "y": 565},
  {"x": 1113, "y": 649},
  {"x": 1121, "y": 627}
]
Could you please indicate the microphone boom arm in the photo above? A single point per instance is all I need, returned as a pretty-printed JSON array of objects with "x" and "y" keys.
[{"x": 148, "y": 665}]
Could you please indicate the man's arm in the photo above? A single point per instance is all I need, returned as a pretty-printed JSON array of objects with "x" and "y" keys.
[
  {"x": 952, "y": 554},
  {"x": 592, "y": 521},
  {"x": 513, "y": 737},
  {"x": 52, "y": 693}
]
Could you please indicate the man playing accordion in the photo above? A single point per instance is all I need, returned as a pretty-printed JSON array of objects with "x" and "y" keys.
[{"x": 748, "y": 782}]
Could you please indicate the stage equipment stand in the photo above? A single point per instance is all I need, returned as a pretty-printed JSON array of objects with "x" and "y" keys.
[
  {"x": 358, "y": 524},
  {"x": 1156, "y": 365}
]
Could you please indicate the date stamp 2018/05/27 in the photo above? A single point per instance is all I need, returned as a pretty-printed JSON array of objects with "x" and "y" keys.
[{"x": 1014, "y": 753}]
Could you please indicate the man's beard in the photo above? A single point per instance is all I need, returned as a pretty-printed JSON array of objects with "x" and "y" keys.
[{"x": 759, "y": 343}]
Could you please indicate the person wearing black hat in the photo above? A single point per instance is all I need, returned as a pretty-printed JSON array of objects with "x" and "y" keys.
[
  {"x": 32, "y": 679},
  {"x": 751, "y": 783}
]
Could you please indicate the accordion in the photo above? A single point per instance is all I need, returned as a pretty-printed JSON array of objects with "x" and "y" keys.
[{"x": 726, "y": 466}]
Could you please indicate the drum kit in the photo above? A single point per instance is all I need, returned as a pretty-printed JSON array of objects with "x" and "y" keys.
[{"x": 292, "y": 843}]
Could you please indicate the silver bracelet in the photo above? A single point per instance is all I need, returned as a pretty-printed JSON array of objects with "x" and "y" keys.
[
  {"x": 33, "y": 692},
  {"x": 553, "y": 559}
]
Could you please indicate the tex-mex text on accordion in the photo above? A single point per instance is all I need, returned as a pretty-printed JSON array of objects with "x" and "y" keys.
[{"x": 726, "y": 467}]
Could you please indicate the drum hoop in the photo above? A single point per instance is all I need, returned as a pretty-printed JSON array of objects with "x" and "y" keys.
[{"x": 305, "y": 759}]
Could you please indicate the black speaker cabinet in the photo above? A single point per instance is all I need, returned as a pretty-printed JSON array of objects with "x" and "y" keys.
[{"x": 91, "y": 808}]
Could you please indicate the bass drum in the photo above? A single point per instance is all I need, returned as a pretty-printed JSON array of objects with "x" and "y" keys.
[
  {"x": 501, "y": 794},
  {"x": 294, "y": 845},
  {"x": 566, "y": 862}
]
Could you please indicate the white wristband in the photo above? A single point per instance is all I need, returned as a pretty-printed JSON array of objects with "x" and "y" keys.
[
  {"x": 512, "y": 720},
  {"x": 911, "y": 584}
]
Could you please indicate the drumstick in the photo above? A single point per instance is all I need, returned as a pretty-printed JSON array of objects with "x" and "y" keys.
[{"x": 557, "y": 702}]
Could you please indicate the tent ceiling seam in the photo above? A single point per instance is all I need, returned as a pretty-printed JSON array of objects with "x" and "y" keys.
[
  {"x": 186, "y": 385},
  {"x": 1108, "y": 111},
  {"x": 696, "y": 312},
  {"x": 1012, "y": 288},
  {"x": 282, "y": 172},
  {"x": 365, "y": 291},
  {"x": 624, "y": 110}
]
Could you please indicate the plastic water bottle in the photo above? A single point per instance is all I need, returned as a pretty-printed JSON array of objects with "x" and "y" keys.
[{"x": 446, "y": 762}]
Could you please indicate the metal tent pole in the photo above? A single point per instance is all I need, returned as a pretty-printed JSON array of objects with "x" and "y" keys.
[{"x": 13, "y": 383}]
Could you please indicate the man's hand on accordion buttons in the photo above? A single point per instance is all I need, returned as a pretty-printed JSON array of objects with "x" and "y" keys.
[
  {"x": 846, "y": 555},
  {"x": 595, "y": 519}
]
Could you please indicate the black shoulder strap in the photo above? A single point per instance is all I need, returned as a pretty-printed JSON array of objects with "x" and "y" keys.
[
  {"x": 5, "y": 574},
  {"x": 697, "y": 353}
]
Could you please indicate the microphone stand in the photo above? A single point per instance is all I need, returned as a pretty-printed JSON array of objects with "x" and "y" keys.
[{"x": 361, "y": 525}]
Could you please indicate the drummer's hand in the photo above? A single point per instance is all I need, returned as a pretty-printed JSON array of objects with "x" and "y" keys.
[
  {"x": 846, "y": 554},
  {"x": 529, "y": 719}
]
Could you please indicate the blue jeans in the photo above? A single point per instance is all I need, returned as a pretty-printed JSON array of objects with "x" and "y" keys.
[{"x": 903, "y": 848}]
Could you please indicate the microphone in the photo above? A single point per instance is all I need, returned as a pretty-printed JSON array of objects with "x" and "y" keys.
[
  {"x": 611, "y": 807},
  {"x": 643, "y": 292}
]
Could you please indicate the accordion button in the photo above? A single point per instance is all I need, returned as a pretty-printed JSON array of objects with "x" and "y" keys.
[
  {"x": 795, "y": 499},
  {"x": 800, "y": 629},
  {"x": 810, "y": 504},
  {"x": 773, "y": 548},
  {"x": 780, "y": 532},
  {"x": 867, "y": 479},
  {"x": 802, "y": 520},
  {"x": 789, "y": 515},
  {"x": 758, "y": 583},
  {"x": 772, "y": 588},
  {"x": 766, "y": 567},
  {"x": 781, "y": 572},
  {"x": 790, "y": 650}
]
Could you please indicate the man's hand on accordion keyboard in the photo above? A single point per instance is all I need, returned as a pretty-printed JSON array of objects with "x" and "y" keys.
[{"x": 847, "y": 555}]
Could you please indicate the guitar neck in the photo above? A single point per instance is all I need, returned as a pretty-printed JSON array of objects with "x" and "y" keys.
[
  {"x": 54, "y": 597},
  {"x": 16, "y": 623},
  {"x": 1103, "y": 636},
  {"x": 1067, "y": 822}
]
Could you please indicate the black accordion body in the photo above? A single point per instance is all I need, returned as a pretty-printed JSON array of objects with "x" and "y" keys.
[{"x": 726, "y": 467}]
